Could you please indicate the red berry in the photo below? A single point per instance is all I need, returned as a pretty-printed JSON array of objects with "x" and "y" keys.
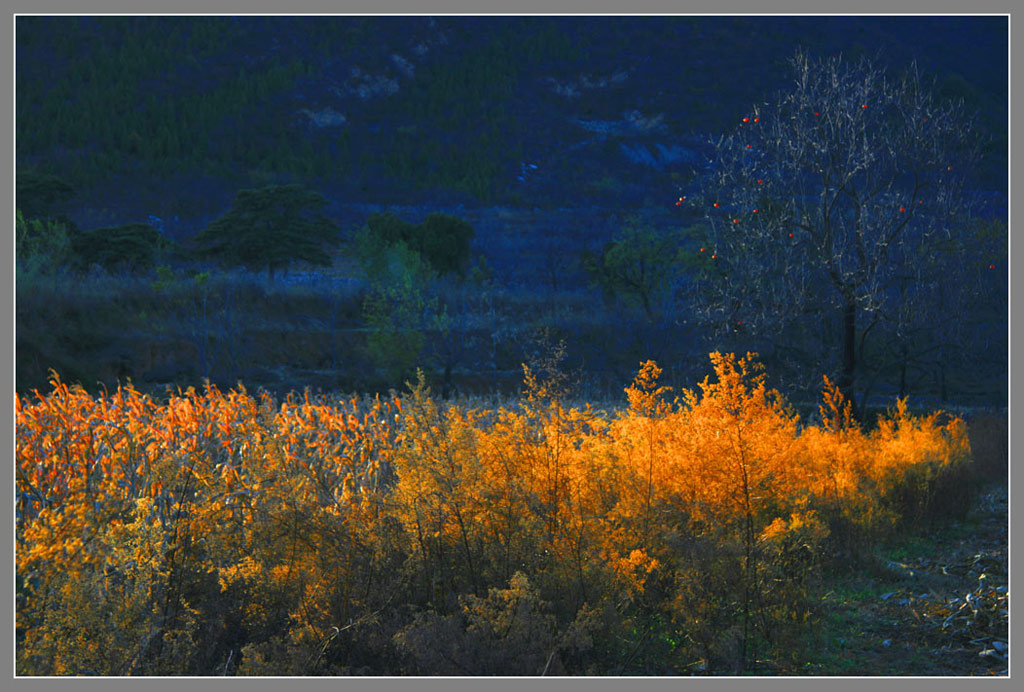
[
  {"x": 816, "y": 114},
  {"x": 991, "y": 266},
  {"x": 759, "y": 182},
  {"x": 902, "y": 210},
  {"x": 716, "y": 205},
  {"x": 735, "y": 220},
  {"x": 756, "y": 120},
  {"x": 755, "y": 211},
  {"x": 714, "y": 256},
  {"x": 790, "y": 235},
  {"x": 864, "y": 105},
  {"x": 702, "y": 249},
  {"x": 679, "y": 204},
  {"x": 746, "y": 120},
  {"x": 748, "y": 146}
]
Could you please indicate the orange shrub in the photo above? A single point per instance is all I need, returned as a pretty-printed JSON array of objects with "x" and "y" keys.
[{"x": 216, "y": 529}]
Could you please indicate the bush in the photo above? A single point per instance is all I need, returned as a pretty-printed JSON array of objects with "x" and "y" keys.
[
  {"x": 41, "y": 247},
  {"x": 132, "y": 247},
  {"x": 442, "y": 241},
  {"x": 317, "y": 536},
  {"x": 507, "y": 633}
]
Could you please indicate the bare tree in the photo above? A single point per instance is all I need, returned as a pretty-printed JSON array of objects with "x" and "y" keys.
[{"x": 823, "y": 205}]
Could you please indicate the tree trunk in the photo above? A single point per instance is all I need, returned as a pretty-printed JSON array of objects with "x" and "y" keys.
[
  {"x": 846, "y": 374},
  {"x": 446, "y": 385}
]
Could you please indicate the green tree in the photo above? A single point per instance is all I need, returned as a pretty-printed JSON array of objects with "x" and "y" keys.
[
  {"x": 132, "y": 246},
  {"x": 641, "y": 265},
  {"x": 399, "y": 312},
  {"x": 41, "y": 246},
  {"x": 376, "y": 240},
  {"x": 442, "y": 240},
  {"x": 270, "y": 228}
]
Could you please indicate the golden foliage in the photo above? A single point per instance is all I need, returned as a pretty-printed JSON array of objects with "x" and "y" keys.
[{"x": 217, "y": 529}]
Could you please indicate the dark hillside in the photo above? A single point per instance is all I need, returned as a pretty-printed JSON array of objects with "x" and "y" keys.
[
  {"x": 146, "y": 114},
  {"x": 547, "y": 134}
]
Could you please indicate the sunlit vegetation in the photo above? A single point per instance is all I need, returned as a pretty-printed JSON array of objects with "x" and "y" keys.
[{"x": 212, "y": 532}]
